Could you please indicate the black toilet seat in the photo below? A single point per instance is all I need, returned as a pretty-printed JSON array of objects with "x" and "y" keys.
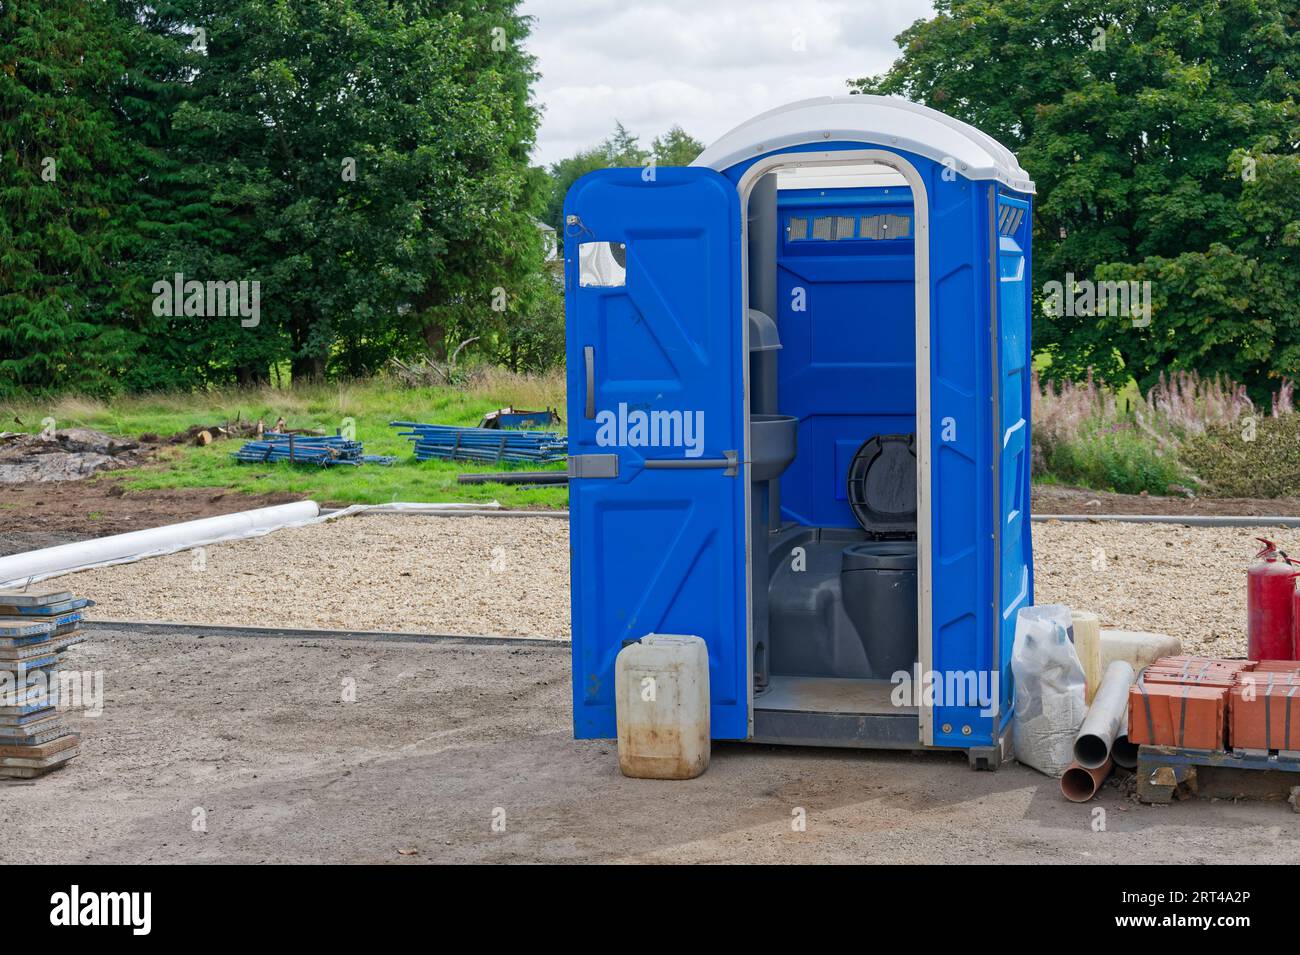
[{"x": 882, "y": 486}]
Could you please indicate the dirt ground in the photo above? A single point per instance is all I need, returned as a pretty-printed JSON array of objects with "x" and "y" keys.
[
  {"x": 1058, "y": 499},
  {"x": 250, "y": 740},
  {"x": 42, "y": 515}
]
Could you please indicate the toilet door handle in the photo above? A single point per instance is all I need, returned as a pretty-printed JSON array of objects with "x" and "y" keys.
[
  {"x": 589, "y": 362},
  {"x": 730, "y": 461}
]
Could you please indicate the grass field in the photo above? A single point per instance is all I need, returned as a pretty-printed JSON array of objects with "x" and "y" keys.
[
  {"x": 370, "y": 405},
  {"x": 1084, "y": 435}
]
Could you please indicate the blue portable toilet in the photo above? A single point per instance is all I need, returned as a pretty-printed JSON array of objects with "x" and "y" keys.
[{"x": 798, "y": 385}]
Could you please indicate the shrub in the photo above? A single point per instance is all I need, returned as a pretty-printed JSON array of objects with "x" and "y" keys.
[
  {"x": 1184, "y": 404},
  {"x": 1117, "y": 458},
  {"x": 1259, "y": 457},
  {"x": 1174, "y": 435},
  {"x": 1062, "y": 412}
]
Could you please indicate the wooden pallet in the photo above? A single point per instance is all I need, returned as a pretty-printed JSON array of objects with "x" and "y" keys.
[{"x": 1168, "y": 772}]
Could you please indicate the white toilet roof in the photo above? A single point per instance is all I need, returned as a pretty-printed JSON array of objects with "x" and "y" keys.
[{"x": 874, "y": 120}]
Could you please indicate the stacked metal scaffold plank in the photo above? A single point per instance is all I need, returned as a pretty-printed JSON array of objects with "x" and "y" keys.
[
  {"x": 491, "y": 445},
  {"x": 35, "y": 629},
  {"x": 320, "y": 450}
]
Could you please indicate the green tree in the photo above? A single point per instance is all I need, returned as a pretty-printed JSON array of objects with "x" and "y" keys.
[
  {"x": 1162, "y": 137},
  {"x": 365, "y": 161},
  {"x": 496, "y": 247},
  {"x": 368, "y": 159},
  {"x": 66, "y": 178},
  {"x": 531, "y": 334},
  {"x": 512, "y": 307},
  {"x": 186, "y": 221},
  {"x": 676, "y": 148}
]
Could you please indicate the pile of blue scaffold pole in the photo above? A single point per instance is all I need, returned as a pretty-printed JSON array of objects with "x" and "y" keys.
[
  {"x": 320, "y": 450},
  {"x": 490, "y": 445}
]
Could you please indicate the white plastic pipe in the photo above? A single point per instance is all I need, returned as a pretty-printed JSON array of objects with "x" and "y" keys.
[
  {"x": 1106, "y": 717},
  {"x": 1136, "y": 647},
  {"x": 1122, "y": 751},
  {"x": 17, "y": 570}
]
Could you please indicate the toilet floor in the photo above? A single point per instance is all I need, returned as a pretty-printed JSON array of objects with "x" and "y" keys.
[{"x": 811, "y": 694}]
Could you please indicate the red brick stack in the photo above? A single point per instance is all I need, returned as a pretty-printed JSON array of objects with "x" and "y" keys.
[
  {"x": 1183, "y": 701},
  {"x": 1278, "y": 666},
  {"x": 1205, "y": 703},
  {"x": 1264, "y": 708}
]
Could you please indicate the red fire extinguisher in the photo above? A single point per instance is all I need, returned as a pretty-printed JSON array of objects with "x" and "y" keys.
[
  {"x": 1295, "y": 621},
  {"x": 1270, "y": 604}
]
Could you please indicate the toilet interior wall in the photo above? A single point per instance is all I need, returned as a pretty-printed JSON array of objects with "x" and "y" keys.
[{"x": 845, "y": 300}]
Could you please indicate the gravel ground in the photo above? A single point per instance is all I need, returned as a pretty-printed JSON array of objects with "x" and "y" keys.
[
  {"x": 244, "y": 751},
  {"x": 1188, "y": 582},
  {"x": 510, "y": 576},
  {"x": 505, "y": 576}
]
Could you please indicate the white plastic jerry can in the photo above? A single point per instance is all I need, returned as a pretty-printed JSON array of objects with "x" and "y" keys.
[{"x": 661, "y": 694}]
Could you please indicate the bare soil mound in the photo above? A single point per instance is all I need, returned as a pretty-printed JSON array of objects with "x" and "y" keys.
[{"x": 71, "y": 454}]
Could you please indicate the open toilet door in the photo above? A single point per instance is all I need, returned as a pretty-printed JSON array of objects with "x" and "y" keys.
[
  {"x": 656, "y": 392},
  {"x": 1014, "y": 389}
]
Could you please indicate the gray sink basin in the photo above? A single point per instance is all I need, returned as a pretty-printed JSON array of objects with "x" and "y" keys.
[{"x": 772, "y": 442}]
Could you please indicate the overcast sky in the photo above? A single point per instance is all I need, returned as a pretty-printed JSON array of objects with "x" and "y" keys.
[{"x": 704, "y": 64}]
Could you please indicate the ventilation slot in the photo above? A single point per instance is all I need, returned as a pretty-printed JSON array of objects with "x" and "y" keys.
[
  {"x": 886, "y": 226},
  {"x": 1009, "y": 219}
]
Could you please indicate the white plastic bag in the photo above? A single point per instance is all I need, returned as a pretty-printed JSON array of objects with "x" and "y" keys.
[{"x": 1049, "y": 689}]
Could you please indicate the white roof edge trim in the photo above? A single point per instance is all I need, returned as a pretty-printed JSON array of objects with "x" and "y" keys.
[{"x": 883, "y": 121}]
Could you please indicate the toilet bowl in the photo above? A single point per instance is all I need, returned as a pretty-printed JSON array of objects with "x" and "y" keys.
[{"x": 878, "y": 589}]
